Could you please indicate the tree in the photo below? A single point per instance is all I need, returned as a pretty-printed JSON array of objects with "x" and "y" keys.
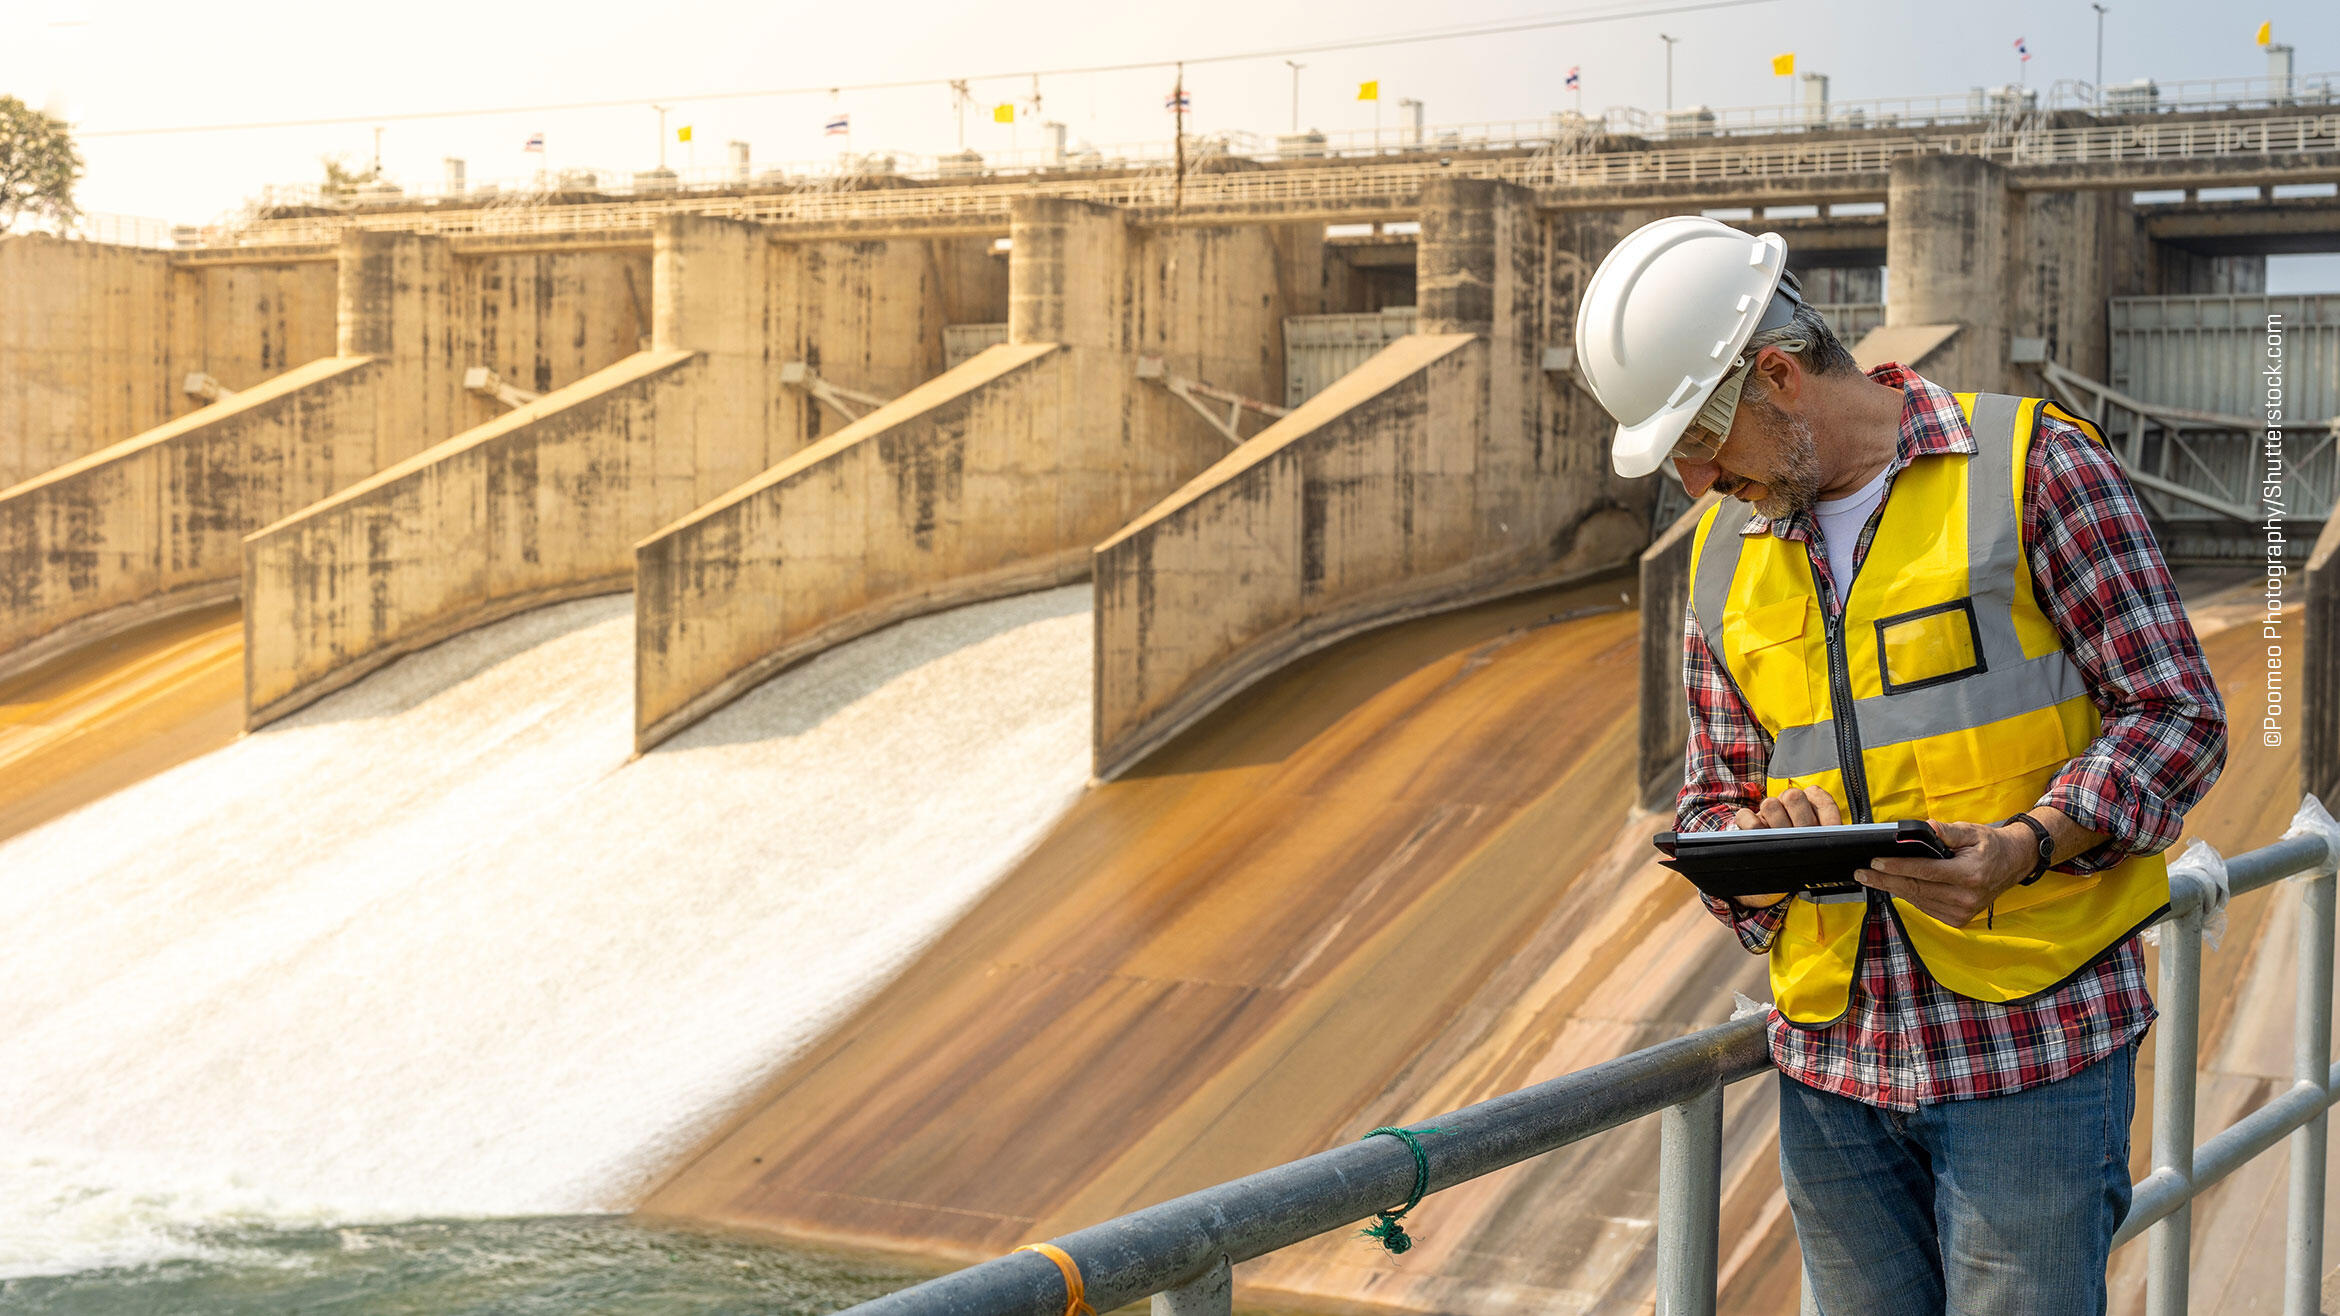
[
  {"x": 343, "y": 178},
  {"x": 38, "y": 166}
]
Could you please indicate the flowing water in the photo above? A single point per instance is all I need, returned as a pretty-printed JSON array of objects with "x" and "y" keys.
[
  {"x": 433, "y": 949},
  {"x": 556, "y": 1266}
]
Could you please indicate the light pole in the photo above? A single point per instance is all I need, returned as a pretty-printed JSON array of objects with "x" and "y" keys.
[
  {"x": 1669, "y": 67},
  {"x": 2100, "y": 12},
  {"x": 661, "y": 136},
  {"x": 1296, "y": 94}
]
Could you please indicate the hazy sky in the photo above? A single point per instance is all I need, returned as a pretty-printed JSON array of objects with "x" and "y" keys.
[{"x": 138, "y": 64}]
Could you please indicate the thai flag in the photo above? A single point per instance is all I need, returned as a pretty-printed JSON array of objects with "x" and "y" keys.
[
  {"x": 535, "y": 143},
  {"x": 839, "y": 126},
  {"x": 1572, "y": 79},
  {"x": 2023, "y": 50},
  {"x": 1177, "y": 102}
]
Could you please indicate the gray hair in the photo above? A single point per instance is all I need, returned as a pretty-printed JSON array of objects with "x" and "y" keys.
[{"x": 1823, "y": 352}]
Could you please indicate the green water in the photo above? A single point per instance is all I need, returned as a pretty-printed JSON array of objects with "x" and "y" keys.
[{"x": 570, "y": 1265}]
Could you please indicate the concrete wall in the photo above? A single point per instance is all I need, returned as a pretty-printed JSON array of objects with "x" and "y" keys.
[
  {"x": 2313, "y": 694},
  {"x": 546, "y": 502},
  {"x": 997, "y": 477},
  {"x": 1949, "y": 243},
  {"x": 540, "y": 504},
  {"x": 543, "y": 320},
  {"x": 955, "y": 492},
  {"x": 537, "y": 506},
  {"x": 85, "y": 347},
  {"x": 2075, "y": 252},
  {"x": 96, "y": 341},
  {"x": 1664, "y": 704},
  {"x": 869, "y": 315},
  {"x": 251, "y": 321},
  {"x": 151, "y": 524},
  {"x": 1447, "y": 469}
]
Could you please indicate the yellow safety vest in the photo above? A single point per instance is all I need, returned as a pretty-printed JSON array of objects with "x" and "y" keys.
[{"x": 1940, "y": 691}]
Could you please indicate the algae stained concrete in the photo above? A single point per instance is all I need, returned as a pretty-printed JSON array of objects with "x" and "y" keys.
[
  {"x": 543, "y": 320},
  {"x": 152, "y": 524},
  {"x": 868, "y": 315},
  {"x": 96, "y": 341},
  {"x": 1448, "y": 468},
  {"x": 996, "y": 477}
]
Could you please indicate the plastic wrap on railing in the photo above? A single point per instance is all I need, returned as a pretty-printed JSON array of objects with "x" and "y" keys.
[
  {"x": 2314, "y": 820},
  {"x": 2201, "y": 861}
]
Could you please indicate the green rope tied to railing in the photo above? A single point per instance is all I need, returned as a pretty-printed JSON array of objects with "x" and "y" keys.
[{"x": 1393, "y": 1235}]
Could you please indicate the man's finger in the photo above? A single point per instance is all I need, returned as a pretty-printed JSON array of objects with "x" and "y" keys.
[
  {"x": 1916, "y": 869},
  {"x": 1799, "y": 809},
  {"x": 1825, "y": 805}
]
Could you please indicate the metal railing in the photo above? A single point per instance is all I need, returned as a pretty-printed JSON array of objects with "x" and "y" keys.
[
  {"x": 109, "y": 229},
  {"x": 1976, "y": 105},
  {"x": 1181, "y": 1251},
  {"x": 1384, "y": 187}
]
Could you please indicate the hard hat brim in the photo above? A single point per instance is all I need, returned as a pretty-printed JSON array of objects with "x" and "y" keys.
[{"x": 1641, "y": 448}]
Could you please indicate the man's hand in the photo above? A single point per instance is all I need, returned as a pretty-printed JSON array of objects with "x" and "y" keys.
[
  {"x": 1797, "y": 806},
  {"x": 1983, "y": 863}
]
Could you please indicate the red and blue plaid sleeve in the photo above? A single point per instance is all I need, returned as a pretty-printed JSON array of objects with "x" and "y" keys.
[
  {"x": 2101, "y": 579},
  {"x": 1723, "y": 771}
]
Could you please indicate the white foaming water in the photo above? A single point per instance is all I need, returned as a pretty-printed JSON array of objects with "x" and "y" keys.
[{"x": 432, "y": 947}]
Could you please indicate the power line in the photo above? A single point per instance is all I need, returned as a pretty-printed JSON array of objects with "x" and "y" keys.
[{"x": 1360, "y": 43}]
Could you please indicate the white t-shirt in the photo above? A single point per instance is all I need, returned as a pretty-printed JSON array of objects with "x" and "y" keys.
[{"x": 1841, "y": 521}]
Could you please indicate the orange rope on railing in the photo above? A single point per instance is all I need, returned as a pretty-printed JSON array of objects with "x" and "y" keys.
[{"x": 1076, "y": 1302}]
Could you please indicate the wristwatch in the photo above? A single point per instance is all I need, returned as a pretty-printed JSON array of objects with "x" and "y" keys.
[{"x": 2047, "y": 845}]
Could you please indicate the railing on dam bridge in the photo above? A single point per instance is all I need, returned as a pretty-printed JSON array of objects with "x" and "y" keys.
[
  {"x": 1181, "y": 1251},
  {"x": 2138, "y": 153}
]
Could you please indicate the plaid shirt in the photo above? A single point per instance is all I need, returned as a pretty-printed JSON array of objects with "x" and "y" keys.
[{"x": 1904, "y": 1040}]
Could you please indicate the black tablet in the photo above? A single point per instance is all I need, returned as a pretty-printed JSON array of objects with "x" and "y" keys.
[{"x": 1815, "y": 860}]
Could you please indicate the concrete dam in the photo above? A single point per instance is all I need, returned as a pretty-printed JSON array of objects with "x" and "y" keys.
[{"x": 921, "y": 717}]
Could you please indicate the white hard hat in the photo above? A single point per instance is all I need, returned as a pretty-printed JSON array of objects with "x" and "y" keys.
[{"x": 1661, "y": 322}]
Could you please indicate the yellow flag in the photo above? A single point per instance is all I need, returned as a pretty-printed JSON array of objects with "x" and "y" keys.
[
  {"x": 1369, "y": 91},
  {"x": 2266, "y": 33},
  {"x": 1003, "y": 114},
  {"x": 683, "y": 134},
  {"x": 1783, "y": 65}
]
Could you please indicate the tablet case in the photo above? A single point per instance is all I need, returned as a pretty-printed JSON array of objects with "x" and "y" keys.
[{"x": 1812, "y": 860}]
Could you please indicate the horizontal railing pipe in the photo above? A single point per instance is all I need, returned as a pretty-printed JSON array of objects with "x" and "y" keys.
[
  {"x": 1167, "y": 1245},
  {"x": 1180, "y": 1247}
]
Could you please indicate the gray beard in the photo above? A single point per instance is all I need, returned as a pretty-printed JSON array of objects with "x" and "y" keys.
[{"x": 1796, "y": 485}]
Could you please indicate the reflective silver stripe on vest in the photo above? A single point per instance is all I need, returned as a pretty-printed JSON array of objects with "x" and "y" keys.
[
  {"x": 1994, "y": 540},
  {"x": 1973, "y": 701},
  {"x": 2009, "y": 683}
]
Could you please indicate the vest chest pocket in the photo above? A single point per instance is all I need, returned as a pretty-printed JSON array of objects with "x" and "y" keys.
[
  {"x": 1983, "y": 774},
  {"x": 1772, "y": 668},
  {"x": 1928, "y": 646}
]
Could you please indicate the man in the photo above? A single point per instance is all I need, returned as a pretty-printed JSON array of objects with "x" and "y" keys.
[{"x": 1916, "y": 604}]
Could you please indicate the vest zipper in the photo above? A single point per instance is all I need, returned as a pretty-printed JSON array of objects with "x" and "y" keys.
[{"x": 1848, "y": 730}]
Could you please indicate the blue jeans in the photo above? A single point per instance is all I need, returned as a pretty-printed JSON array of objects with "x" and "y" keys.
[{"x": 1975, "y": 1208}]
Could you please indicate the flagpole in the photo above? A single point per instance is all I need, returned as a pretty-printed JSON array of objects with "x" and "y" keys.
[{"x": 1178, "y": 145}]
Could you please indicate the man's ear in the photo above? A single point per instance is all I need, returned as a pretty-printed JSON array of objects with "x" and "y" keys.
[{"x": 1782, "y": 374}]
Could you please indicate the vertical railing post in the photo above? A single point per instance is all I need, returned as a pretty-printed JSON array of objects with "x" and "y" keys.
[
  {"x": 1210, "y": 1294},
  {"x": 2171, "y": 1241},
  {"x": 1689, "y": 1204},
  {"x": 2311, "y": 1062}
]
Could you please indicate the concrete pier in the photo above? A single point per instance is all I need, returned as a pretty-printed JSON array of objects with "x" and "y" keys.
[
  {"x": 544, "y": 503},
  {"x": 151, "y": 525},
  {"x": 996, "y": 477},
  {"x": 97, "y": 341},
  {"x": 1447, "y": 469}
]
